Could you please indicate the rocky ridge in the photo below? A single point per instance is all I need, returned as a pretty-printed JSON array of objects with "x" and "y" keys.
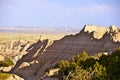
[
  {"x": 45, "y": 54},
  {"x": 98, "y": 31}
]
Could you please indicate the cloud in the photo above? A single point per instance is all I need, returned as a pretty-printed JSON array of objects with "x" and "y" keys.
[
  {"x": 93, "y": 9},
  {"x": 56, "y": 10},
  {"x": 102, "y": 8},
  {"x": 64, "y": 11},
  {"x": 59, "y": 7},
  {"x": 89, "y": 10},
  {"x": 6, "y": 4},
  {"x": 6, "y": 7}
]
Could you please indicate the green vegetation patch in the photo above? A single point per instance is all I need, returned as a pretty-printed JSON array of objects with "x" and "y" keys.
[
  {"x": 4, "y": 76},
  {"x": 8, "y": 62},
  {"x": 85, "y": 67}
]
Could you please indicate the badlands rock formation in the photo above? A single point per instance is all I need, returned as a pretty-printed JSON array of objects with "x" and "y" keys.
[
  {"x": 14, "y": 77},
  {"x": 13, "y": 49},
  {"x": 2, "y": 58},
  {"x": 10, "y": 48},
  {"x": 45, "y": 54},
  {"x": 98, "y": 32}
]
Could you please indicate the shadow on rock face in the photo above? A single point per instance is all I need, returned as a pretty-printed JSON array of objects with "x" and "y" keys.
[{"x": 41, "y": 55}]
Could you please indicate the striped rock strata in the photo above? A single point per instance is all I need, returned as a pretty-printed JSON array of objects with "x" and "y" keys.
[{"x": 45, "y": 54}]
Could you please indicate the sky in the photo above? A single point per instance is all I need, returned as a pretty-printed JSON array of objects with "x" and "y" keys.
[{"x": 59, "y": 13}]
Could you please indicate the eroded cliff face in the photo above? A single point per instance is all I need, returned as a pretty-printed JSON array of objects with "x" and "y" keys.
[
  {"x": 45, "y": 54},
  {"x": 13, "y": 48},
  {"x": 99, "y": 32}
]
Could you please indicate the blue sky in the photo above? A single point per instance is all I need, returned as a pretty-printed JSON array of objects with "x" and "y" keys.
[{"x": 59, "y": 13}]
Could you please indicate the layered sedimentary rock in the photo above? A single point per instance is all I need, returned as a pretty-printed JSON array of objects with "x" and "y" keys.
[
  {"x": 45, "y": 54},
  {"x": 14, "y": 49},
  {"x": 11, "y": 47},
  {"x": 98, "y": 31}
]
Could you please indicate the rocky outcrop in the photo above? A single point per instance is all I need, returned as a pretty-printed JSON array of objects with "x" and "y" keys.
[
  {"x": 14, "y": 49},
  {"x": 5, "y": 69},
  {"x": 45, "y": 54},
  {"x": 10, "y": 48},
  {"x": 50, "y": 78},
  {"x": 14, "y": 77},
  {"x": 99, "y": 32},
  {"x": 2, "y": 58}
]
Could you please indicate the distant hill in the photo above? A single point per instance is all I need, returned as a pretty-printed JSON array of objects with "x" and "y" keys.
[{"x": 39, "y": 29}]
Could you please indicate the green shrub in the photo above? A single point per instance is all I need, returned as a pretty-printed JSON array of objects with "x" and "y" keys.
[
  {"x": 6, "y": 63},
  {"x": 85, "y": 67}
]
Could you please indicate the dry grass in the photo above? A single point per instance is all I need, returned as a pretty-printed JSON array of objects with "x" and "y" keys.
[{"x": 27, "y": 36}]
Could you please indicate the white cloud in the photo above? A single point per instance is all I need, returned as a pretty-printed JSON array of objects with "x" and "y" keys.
[
  {"x": 102, "y": 8},
  {"x": 60, "y": 10},
  {"x": 6, "y": 7},
  {"x": 89, "y": 10},
  {"x": 93, "y": 9}
]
